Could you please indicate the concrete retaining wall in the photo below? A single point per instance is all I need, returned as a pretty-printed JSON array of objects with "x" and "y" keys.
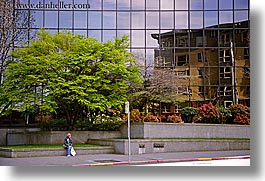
[
  {"x": 186, "y": 130},
  {"x": 56, "y": 137},
  {"x": 165, "y": 146}
]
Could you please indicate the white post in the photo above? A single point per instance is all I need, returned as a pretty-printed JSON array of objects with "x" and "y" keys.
[{"x": 127, "y": 110}]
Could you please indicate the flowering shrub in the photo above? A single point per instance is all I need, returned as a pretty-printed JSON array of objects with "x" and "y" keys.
[
  {"x": 208, "y": 113},
  {"x": 175, "y": 119},
  {"x": 136, "y": 115},
  {"x": 240, "y": 114},
  {"x": 151, "y": 118},
  {"x": 187, "y": 113}
]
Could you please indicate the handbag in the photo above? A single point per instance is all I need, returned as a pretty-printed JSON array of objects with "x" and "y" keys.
[{"x": 73, "y": 152}]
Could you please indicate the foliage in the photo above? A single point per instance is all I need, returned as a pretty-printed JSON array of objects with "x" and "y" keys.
[
  {"x": 227, "y": 114},
  {"x": 187, "y": 113},
  {"x": 208, "y": 113},
  {"x": 174, "y": 118},
  {"x": 240, "y": 114},
  {"x": 151, "y": 118},
  {"x": 135, "y": 116},
  {"x": 70, "y": 76}
]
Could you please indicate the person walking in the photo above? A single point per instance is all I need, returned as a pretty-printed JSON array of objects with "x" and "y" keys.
[{"x": 68, "y": 143}]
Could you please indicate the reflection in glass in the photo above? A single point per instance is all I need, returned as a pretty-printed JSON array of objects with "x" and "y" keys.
[
  {"x": 120, "y": 33},
  {"x": 211, "y": 4},
  {"x": 109, "y": 20},
  {"x": 181, "y": 20},
  {"x": 109, "y": 35},
  {"x": 241, "y": 16},
  {"x": 167, "y": 5},
  {"x": 152, "y": 4},
  {"x": 196, "y": 4},
  {"x": 226, "y": 4},
  {"x": 80, "y": 19},
  {"x": 167, "y": 21},
  {"x": 94, "y": 20},
  {"x": 123, "y": 4},
  {"x": 139, "y": 54},
  {"x": 138, "y": 38},
  {"x": 210, "y": 18},
  {"x": 109, "y": 4},
  {"x": 65, "y": 20},
  {"x": 212, "y": 38},
  {"x": 51, "y": 19},
  {"x": 152, "y": 20},
  {"x": 150, "y": 41},
  {"x": 94, "y": 34},
  {"x": 38, "y": 19},
  {"x": 226, "y": 17},
  {"x": 138, "y": 20},
  {"x": 95, "y": 4},
  {"x": 181, "y": 5},
  {"x": 196, "y": 19},
  {"x": 123, "y": 20},
  {"x": 138, "y": 4},
  {"x": 81, "y": 32},
  {"x": 241, "y": 4}
]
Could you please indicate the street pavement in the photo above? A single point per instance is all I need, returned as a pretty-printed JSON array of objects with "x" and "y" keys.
[{"x": 109, "y": 159}]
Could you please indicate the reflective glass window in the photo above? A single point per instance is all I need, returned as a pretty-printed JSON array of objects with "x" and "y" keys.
[
  {"x": 51, "y": 19},
  {"x": 181, "y": 5},
  {"x": 109, "y": 20},
  {"x": 123, "y": 4},
  {"x": 152, "y": 20},
  {"x": 123, "y": 20},
  {"x": 167, "y": 20},
  {"x": 80, "y": 19},
  {"x": 152, "y": 4},
  {"x": 167, "y": 5},
  {"x": 38, "y": 19},
  {"x": 151, "y": 40},
  {"x": 138, "y": 4},
  {"x": 109, "y": 35},
  {"x": 196, "y": 4},
  {"x": 210, "y": 18},
  {"x": 138, "y": 38},
  {"x": 109, "y": 4},
  {"x": 94, "y": 20},
  {"x": 81, "y": 32},
  {"x": 241, "y": 4},
  {"x": 241, "y": 16},
  {"x": 226, "y": 4},
  {"x": 120, "y": 33},
  {"x": 181, "y": 20},
  {"x": 226, "y": 17},
  {"x": 66, "y": 20},
  {"x": 138, "y": 20},
  {"x": 95, "y": 34},
  {"x": 95, "y": 4},
  {"x": 196, "y": 19},
  {"x": 211, "y": 4}
]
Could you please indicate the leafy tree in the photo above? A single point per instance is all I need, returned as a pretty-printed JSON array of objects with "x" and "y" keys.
[{"x": 71, "y": 76}]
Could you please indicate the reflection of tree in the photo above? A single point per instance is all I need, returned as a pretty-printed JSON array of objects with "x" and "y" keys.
[{"x": 12, "y": 33}]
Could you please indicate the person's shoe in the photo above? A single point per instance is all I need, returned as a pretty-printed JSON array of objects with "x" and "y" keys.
[{"x": 68, "y": 155}]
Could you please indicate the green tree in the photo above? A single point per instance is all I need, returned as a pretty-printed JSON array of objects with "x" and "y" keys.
[{"x": 70, "y": 75}]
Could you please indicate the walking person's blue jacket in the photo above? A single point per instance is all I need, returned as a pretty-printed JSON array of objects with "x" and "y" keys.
[{"x": 68, "y": 142}]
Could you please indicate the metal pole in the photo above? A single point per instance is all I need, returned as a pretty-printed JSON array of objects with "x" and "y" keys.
[{"x": 127, "y": 110}]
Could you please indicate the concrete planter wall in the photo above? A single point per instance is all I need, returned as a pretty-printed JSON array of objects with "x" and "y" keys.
[
  {"x": 186, "y": 130},
  {"x": 56, "y": 137}
]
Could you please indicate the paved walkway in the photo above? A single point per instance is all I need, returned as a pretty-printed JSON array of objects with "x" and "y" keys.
[{"x": 108, "y": 159}]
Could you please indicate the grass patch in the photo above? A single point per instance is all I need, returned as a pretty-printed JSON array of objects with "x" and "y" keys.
[{"x": 45, "y": 146}]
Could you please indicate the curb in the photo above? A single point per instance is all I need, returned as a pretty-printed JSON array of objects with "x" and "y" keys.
[{"x": 164, "y": 161}]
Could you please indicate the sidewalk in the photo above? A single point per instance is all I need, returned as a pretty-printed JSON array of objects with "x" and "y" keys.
[{"x": 118, "y": 159}]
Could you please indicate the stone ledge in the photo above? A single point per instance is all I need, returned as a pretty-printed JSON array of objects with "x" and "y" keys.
[{"x": 43, "y": 152}]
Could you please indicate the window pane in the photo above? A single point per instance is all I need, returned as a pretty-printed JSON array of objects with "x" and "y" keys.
[
  {"x": 94, "y": 20},
  {"x": 152, "y": 20},
  {"x": 139, "y": 54},
  {"x": 152, "y": 4},
  {"x": 80, "y": 20},
  {"x": 210, "y": 18},
  {"x": 109, "y": 4},
  {"x": 181, "y": 20},
  {"x": 138, "y": 20},
  {"x": 167, "y": 5},
  {"x": 65, "y": 19},
  {"x": 95, "y": 34},
  {"x": 95, "y": 4},
  {"x": 109, "y": 20},
  {"x": 241, "y": 4},
  {"x": 123, "y": 4},
  {"x": 196, "y": 4},
  {"x": 138, "y": 38},
  {"x": 212, "y": 38},
  {"x": 151, "y": 40},
  {"x": 120, "y": 33},
  {"x": 181, "y": 4},
  {"x": 81, "y": 32},
  {"x": 241, "y": 16},
  {"x": 167, "y": 21},
  {"x": 38, "y": 19},
  {"x": 211, "y": 4},
  {"x": 51, "y": 19},
  {"x": 226, "y": 4},
  {"x": 123, "y": 20},
  {"x": 196, "y": 19},
  {"x": 109, "y": 35},
  {"x": 138, "y": 4},
  {"x": 226, "y": 17}
]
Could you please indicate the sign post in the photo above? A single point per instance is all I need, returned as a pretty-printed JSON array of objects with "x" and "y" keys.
[{"x": 127, "y": 111}]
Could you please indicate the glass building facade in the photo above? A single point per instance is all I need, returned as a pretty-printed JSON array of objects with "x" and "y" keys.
[{"x": 205, "y": 42}]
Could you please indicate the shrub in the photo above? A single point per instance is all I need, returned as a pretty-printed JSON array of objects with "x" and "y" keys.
[
  {"x": 227, "y": 115},
  {"x": 240, "y": 114},
  {"x": 135, "y": 115},
  {"x": 187, "y": 113},
  {"x": 208, "y": 113},
  {"x": 175, "y": 119},
  {"x": 151, "y": 118}
]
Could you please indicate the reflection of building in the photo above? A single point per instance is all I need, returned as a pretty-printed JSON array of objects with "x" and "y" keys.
[{"x": 214, "y": 62}]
